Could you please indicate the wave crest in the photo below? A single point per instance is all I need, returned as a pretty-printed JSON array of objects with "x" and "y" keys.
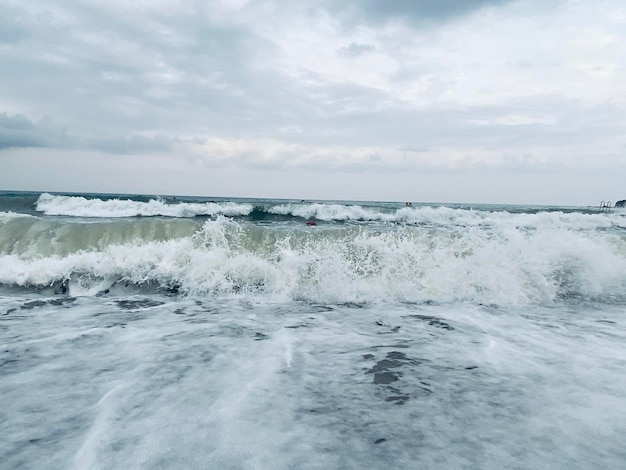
[
  {"x": 348, "y": 264},
  {"x": 78, "y": 206}
]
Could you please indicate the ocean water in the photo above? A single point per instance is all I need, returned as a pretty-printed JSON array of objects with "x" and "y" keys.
[{"x": 140, "y": 332}]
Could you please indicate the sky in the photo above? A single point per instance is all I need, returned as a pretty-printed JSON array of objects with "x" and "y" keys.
[{"x": 493, "y": 101}]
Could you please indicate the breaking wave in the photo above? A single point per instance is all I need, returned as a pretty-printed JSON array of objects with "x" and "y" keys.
[
  {"x": 78, "y": 206},
  {"x": 505, "y": 265}
]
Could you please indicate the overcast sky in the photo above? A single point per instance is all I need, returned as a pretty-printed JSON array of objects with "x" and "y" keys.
[{"x": 496, "y": 101}]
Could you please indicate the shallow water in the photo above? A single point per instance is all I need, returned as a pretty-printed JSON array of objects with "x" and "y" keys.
[{"x": 163, "y": 382}]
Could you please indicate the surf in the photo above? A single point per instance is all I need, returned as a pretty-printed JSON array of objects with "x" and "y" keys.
[{"x": 501, "y": 265}]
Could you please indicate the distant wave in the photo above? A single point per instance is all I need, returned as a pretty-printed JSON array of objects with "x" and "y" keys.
[
  {"x": 335, "y": 212},
  {"x": 78, "y": 206}
]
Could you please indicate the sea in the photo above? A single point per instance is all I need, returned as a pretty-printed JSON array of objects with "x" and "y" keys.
[{"x": 162, "y": 332}]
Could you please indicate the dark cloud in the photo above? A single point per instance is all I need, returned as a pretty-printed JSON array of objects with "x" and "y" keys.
[
  {"x": 19, "y": 131},
  {"x": 12, "y": 25},
  {"x": 180, "y": 71},
  {"x": 418, "y": 10},
  {"x": 17, "y": 122}
]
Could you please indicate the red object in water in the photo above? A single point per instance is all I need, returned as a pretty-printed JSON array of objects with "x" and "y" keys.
[{"x": 311, "y": 222}]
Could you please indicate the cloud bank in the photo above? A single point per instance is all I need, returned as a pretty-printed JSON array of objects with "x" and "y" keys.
[{"x": 479, "y": 89}]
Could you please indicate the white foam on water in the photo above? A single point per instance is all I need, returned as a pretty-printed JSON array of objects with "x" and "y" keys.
[
  {"x": 89, "y": 455},
  {"x": 445, "y": 216},
  {"x": 118, "y": 382},
  {"x": 5, "y": 216},
  {"x": 331, "y": 212},
  {"x": 196, "y": 383},
  {"x": 79, "y": 206}
]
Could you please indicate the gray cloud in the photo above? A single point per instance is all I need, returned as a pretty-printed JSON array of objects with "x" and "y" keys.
[
  {"x": 413, "y": 11},
  {"x": 323, "y": 85},
  {"x": 108, "y": 69},
  {"x": 129, "y": 144},
  {"x": 13, "y": 27},
  {"x": 19, "y": 131},
  {"x": 356, "y": 50},
  {"x": 106, "y": 73}
]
